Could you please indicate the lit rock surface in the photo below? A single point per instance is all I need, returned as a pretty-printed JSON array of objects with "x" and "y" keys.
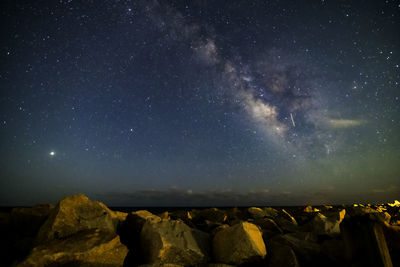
[
  {"x": 173, "y": 242},
  {"x": 89, "y": 248},
  {"x": 328, "y": 225},
  {"x": 239, "y": 244},
  {"x": 74, "y": 214}
]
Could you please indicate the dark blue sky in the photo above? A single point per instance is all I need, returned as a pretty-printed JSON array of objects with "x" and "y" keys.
[{"x": 200, "y": 102}]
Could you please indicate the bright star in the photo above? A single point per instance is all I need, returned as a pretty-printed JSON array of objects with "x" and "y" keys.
[{"x": 52, "y": 153}]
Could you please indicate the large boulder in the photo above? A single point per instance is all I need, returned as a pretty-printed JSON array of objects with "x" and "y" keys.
[
  {"x": 74, "y": 214},
  {"x": 270, "y": 212},
  {"x": 303, "y": 244},
  {"x": 327, "y": 225},
  {"x": 281, "y": 255},
  {"x": 172, "y": 241},
  {"x": 79, "y": 232},
  {"x": 256, "y": 213},
  {"x": 88, "y": 248},
  {"x": 286, "y": 221},
  {"x": 239, "y": 244},
  {"x": 211, "y": 214},
  {"x": 130, "y": 233}
]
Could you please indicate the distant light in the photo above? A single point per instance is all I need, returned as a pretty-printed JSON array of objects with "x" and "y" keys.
[{"x": 52, "y": 153}]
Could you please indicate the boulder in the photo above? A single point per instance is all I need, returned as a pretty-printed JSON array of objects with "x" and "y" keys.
[
  {"x": 286, "y": 221},
  {"x": 378, "y": 214},
  {"x": 172, "y": 241},
  {"x": 74, "y": 214},
  {"x": 392, "y": 235},
  {"x": 303, "y": 244},
  {"x": 132, "y": 226},
  {"x": 270, "y": 212},
  {"x": 87, "y": 248},
  {"x": 256, "y": 213},
  {"x": 281, "y": 255},
  {"x": 135, "y": 220},
  {"x": 327, "y": 225},
  {"x": 239, "y": 244},
  {"x": 310, "y": 209},
  {"x": 211, "y": 214},
  {"x": 365, "y": 242}
]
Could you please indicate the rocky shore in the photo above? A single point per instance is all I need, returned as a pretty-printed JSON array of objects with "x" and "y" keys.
[{"x": 81, "y": 232}]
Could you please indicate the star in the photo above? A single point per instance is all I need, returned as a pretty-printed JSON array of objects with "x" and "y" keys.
[{"x": 52, "y": 153}]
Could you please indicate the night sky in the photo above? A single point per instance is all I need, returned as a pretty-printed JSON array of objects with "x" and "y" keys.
[{"x": 200, "y": 103}]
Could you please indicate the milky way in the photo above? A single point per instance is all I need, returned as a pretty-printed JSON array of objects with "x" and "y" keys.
[{"x": 201, "y": 103}]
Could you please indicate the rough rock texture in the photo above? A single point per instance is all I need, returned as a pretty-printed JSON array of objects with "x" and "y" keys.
[
  {"x": 270, "y": 212},
  {"x": 303, "y": 244},
  {"x": 286, "y": 221},
  {"x": 212, "y": 214},
  {"x": 130, "y": 234},
  {"x": 80, "y": 232},
  {"x": 89, "y": 248},
  {"x": 239, "y": 244},
  {"x": 74, "y": 214},
  {"x": 174, "y": 242},
  {"x": 327, "y": 225},
  {"x": 256, "y": 213}
]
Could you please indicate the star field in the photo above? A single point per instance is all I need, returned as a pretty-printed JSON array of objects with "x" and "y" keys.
[{"x": 200, "y": 103}]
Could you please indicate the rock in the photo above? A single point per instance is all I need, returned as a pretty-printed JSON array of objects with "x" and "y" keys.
[
  {"x": 239, "y": 244},
  {"x": 27, "y": 221},
  {"x": 281, "y": 255},
  {"x": 164, "y": 216},
  {"x": 256, "y": 213},
  {"x": 130, "y": 233},
  {"x": 74, "y": 214},
  {"x": 310, "y": 209},
  {"x": 286, "y": 221},
  {"x": 374, "y": 214},
  {"x": 303, "y": 244},
  {"x": 267, "y": 224},
  {"x": 365, "y": 242},
  {"x": 270, "y": 212},
  {"x": 119, "y": 216},
  {"x": 212, "y": 214},
  {"x": 87, "y": 248},
  {"x": 396, "y": 203},
  {"x": 135, "y": 220},
  {"x": 173, "y": 242},
  {"x": 392, "y": 236},
  {"x": 323, "y": 225}
]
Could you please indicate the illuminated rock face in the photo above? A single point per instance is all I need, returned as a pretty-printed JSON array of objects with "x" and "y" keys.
[
  {"x": 74, "y": 214},
  {"x": 171, "y": 241},
  {"x": 89, "y": 248},
  {"x": 329, "y": 224},
  {"x": 79, "y": 231},
  {"x": 239, "y": 244}
]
